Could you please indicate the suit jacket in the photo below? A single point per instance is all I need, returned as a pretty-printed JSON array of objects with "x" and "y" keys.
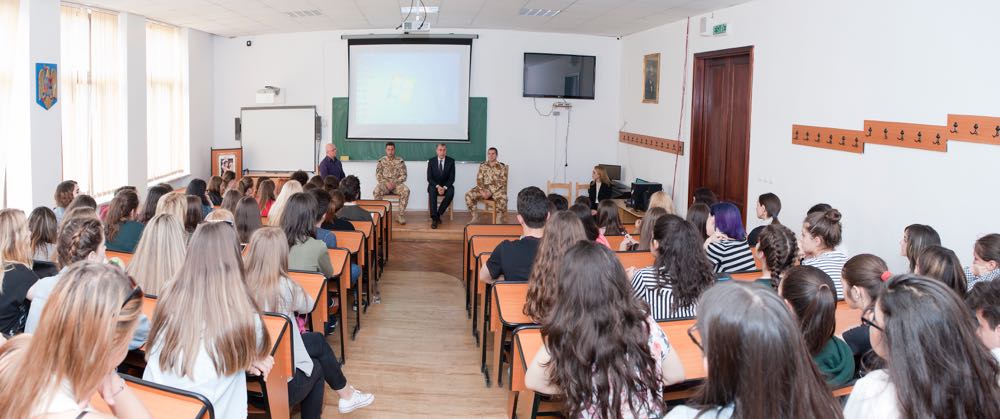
[
  {"x": 435, "y": 177},
  {"x": 597, "y": 196}
]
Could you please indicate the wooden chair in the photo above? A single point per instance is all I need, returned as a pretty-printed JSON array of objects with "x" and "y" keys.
[
  {"x": 370, "y": 270},
  {"x": 393, "y": 202},
  {"x": 489, "y": 206},
  {"x": 274, "y": 388},
  {"x": 383, "y": 223},
  {"x": 126, "y": 258},
  {"x": 314, "y": 284},
  {"x": 451, "y": 208},
  {"x": 582, "y": 189},
  {"x": 340, "y": 258},
  {"x": 552, "y": 187},
  {"x": 162, "y": 401},
  {"x": 480, "y": 230}
]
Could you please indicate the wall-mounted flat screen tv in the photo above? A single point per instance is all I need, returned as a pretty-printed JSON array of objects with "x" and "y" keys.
[{"x": 559, "y": 75}]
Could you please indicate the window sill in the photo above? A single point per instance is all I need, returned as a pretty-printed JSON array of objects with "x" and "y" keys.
[{"x": 168, "y": 179}]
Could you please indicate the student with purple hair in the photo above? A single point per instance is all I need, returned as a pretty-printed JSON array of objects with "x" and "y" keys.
[{"x": 726, "y": 245}]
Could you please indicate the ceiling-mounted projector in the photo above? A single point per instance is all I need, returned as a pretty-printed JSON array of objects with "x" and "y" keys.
[{"x": 416, "y": 26}]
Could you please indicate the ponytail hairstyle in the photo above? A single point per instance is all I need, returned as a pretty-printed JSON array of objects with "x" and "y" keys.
[
  {"x": 780, "y": 250},
  {"x": 159, "y": 254},
  {"x": 44, "y": 229},
  {"x": 825, "y": 225},
  {"x": 681, "y": 263},
  {"x": 811, "y": 294},
  {"x": 864, "y": 271},
  {"x": 918, "y": 237},
  {"x": 65, "y": 192},
  {"x": 988, "y": 248},
  {"x": 266, "y": 261},
  {"x": 245, "y": 185},
  {"x": 698, "y": 216},
  {"x": 562, "y": 231},
  {"x": 771, "y": 204},
  {"x": 78, "y": 238},
  {"x": 228, "y": 176},
  {"x": 937, "y": 262},
  {"x": 607, "y": 217},
  {"x": 121, "y": 209},
  {"x": 152, "y": 198},
  {"x": 15, "y": 241},
  {"x": 82, "y": 201},
  {"x": 931, "y": 344},
  {"x": 88, "y": 321}
]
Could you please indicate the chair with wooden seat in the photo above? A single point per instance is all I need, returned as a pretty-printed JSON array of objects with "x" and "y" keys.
[
  {"x": 393, "y": 202},
  {"x": 555, "y": 187},
  {"x": 162, "y": 401},
  {"x": 489, "y": 206},
  {"x": 273, "y": 389},
  {"x": 451, "y": 208},
  {"x": 582, "y": 189}
]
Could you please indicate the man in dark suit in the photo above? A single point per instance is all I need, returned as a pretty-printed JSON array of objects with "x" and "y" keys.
[{"x": 440, "y": 182}]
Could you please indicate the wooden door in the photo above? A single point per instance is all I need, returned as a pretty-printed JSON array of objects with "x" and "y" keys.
[{"x": 720, "y": 124}]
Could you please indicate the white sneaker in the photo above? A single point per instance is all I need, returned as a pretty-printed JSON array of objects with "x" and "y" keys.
[{"x": 357, "y": 401}]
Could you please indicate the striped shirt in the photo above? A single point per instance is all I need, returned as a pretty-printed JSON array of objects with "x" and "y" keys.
[
  {"x": 986, "y": 277},
  {"x": 646, "y": 288},
  {"x": 832, "y": 263},
  {"x": 731, "y": 256}
]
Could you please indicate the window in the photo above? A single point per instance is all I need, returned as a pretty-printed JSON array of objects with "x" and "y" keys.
[
  {"x": 90, "y": 79},
  {"x": 8, "y": 36},
  {"x": 166, "y": 102}
]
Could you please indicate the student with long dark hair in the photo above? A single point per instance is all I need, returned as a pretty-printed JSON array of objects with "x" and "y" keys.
[
  {"x": 601, "y": 371},
  {"x": 768, "y": 207},
  {"x": 247, "y": 218},
  {"x": 936, "y": 366},
  {"x": 727, "y": 242},
  {"x": 298, "y": 221},
  {"x": 214, "y": 189},
  {"x": 44, "y": 231},
  {"x": 332, "y": 221},
  {"x": 740, "y": 328},
  {"x": 821, "y": 234},
  {"x": 937, "y": 262},
  {"x": 862, "y": 280},
  {"x": 916, "y": 238},
  {"x": 984, "y": 301},
  {"x": 193, "y": 214},
  {"x": 698, "y": 216},
  {"x": 680, "y": 273},
  {"x": 777, "y": 251},
  {"x": 985, "y": 260},
  {"x": 705, "y": 196},
  {"x": 562, "y": 231},
  {"x": 121, "y": 230},
  {"x": 810, "y": 293},
  {"x": 589, "y": 224},
  {"x": 199, "y": 189},
  {"x": 607, "y": 218},
  {"x": 323, "y": 204},
  {"x": 153, "y": 196},
  {"x": 230, "y": 199},
  {"x": 265, "y": 197}
]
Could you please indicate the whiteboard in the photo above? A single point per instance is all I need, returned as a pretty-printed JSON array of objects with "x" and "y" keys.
[{"x": 279, "y": 139}]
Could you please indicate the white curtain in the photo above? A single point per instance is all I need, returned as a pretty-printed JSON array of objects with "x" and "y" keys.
[
  {"x": 8, "y": 40},
  {"x": 166, "y": 102},
  {"x": 93, "y": 125}
]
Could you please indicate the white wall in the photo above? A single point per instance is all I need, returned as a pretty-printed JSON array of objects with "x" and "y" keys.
[
  {"x": 835, "y": 64},
  {"x": 311, "y": 68},
  {"x": 46, "y": 147},
  {"x": 201, "y": 79}
]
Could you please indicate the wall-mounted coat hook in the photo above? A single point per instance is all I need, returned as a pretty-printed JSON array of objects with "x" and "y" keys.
[
  {"x": 900, "y": 137},
  {"x": 868, "y": 133},
  {"x": 843, "y": 139},
  {"x": 954, "y": 128},
  {"x": 830, "y": 140},
  {"x": 796, "y": 136},
  {"x": 937, "y": 139},
  {"x": 997, "y": 132},
  {"x": 807, "y": 135},
  {"x": 975, "y": 129},
  {"x": 885, "y": 133},
  {"x": 920, "y": 137},
  {"x": 855, "y": 142}
]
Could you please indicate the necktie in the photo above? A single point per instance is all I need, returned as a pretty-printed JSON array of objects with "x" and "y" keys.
[{"x": 441, "y": 164}]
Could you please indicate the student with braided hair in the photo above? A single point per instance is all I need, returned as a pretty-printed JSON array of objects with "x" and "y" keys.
[{"x": 777, "y": 249}]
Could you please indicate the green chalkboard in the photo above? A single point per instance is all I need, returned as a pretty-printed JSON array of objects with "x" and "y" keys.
[{"x": 474, "y": 150}]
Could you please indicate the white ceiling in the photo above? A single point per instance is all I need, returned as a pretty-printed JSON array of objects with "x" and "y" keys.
[{"x": 254, "y": 17}]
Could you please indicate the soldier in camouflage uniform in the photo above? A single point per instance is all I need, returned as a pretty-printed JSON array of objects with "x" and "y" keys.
[
  {"x": 390, "y": 174},
  {"x": 491, "y": 183}
]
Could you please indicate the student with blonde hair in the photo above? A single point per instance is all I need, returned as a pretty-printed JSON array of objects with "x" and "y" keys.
[
  {"x": 266, "y": 263},
  {"x": 287, "y": 190},
  {"x": 207, "y": 331},
  {"x": 16, "y": 276},
  {"x": 661, "y": 199},
  {"x": 159, "y": 254},
  {"x": 221, "y": 216},
  {"x": 82, "y": 337},
  {"x": 173, "y": 203}
]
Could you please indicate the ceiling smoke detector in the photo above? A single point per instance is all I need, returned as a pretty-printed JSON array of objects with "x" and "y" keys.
[
  {"x": 295, "y": 14},
  {"x": 538, "y": 12}
]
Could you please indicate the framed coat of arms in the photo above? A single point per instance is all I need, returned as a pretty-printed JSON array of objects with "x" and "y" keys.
[{"x": 46, "y": 85}]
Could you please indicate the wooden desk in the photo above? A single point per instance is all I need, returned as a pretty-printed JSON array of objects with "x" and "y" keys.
[
  {"x": 126, "y": 258},
  {"x": 480, "y": 230},
  {"x": 161, "y": 401},
  {"x": 353, "y": 242},
  {"x": 508, "y": 313},
  {"x": 382, "y": 224},
  {"x": 341, "y": 260},
  {"x": 369, "y": 271},
  {"x": 626, "y": 214},
  {"x": 616, "y": 241},
  {"x": 479, "y": 248},
  {"x": 637, "y": 259},
  {"x": 314, "y": 285}
]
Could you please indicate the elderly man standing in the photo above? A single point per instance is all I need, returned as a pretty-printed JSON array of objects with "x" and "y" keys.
[
  {"x": 391, "y": 175},
  {"x": 331, "y": 164},
  {"x": 491, "y": 183}
]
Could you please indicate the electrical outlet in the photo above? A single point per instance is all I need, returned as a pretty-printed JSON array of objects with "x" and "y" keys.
[{"x": 556, "y": 113}]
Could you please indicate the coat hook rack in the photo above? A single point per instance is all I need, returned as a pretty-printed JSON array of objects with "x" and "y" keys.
[
  {"x": 823, "y": 137},
  {"x": 909, "y": 135},
  {"x": 655, "y": 143},
  {"x": 966, "y": 128}
]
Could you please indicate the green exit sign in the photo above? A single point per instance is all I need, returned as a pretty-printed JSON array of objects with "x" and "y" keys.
[{"x": 719, "y": 29}]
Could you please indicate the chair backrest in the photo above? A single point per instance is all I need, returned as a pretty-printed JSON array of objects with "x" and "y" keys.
[
  {"x": 339, "y": 258},
  {"x": 368, "y": 229},
  {"x": 745, "y": 276},
  {"x": 352, "y": 241},
  {"x": 483, "y": 244},
  {"x": 639, "y": 259},
  {"x": 126, "y": 258},
  {"x": 162, "y": 401},
  {"x": 582, "y": 188},
  {"x": 554, "y": 187}
]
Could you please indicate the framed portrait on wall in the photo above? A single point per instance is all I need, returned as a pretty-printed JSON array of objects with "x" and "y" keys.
[
  {"x": 224, "y": 159},
  {"x": 651, "y": 78}
]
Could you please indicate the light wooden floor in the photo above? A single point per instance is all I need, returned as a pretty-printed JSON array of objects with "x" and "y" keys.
[{"x": 415, "y": 351}]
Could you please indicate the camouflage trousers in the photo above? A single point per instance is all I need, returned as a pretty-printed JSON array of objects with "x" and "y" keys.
[
  {"x": 472, "y": 197},
  {"x": 401, "y": 190}
]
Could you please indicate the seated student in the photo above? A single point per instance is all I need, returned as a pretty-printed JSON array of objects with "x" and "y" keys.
[
  {"x": 266, "y": 262},
  {"x": 660, "y": 199},
  {"x": 680, "y": 273},
  {"x": 559, "y": 202},
  {"x": 82, "y": 201},
  {"x": 317, "y": 181},
  {"x": 589, "y": 224},
  {"x": 985, "y": 260},
  {"x": 300, "y": 176},
  {"x": 66, "y": 191},
  {"x": 173, "y": 203},
  {"x": 512, "y": 259},
  {"x": 326, "y": 236},
  {"x": 821, "y": 234},
  {"x": 287, "y": 190},
  {"x": 194, "y": 215},
  {"x": 230, "y": 199},
  {"x": 221, "y": 216},
  {"x": 330, "y": 182},
  {"x": 351, "y": 188},
  {"x": 925, "y": 334},
  {"x": 698, "y": 216},
  {"x": 768, "y": 207},
  {"x": 16, "y": 276},
  {"x": 645, "y": 232},
  {"x": 214, "y": 190},
  {"x": 332, "y": 222},
  {"x": 820, "y": 208},
  {"x": 197, "y": 188},
  {"x": 102, "y": 210},
  {"x": 726, "y": 244},
  {"x": 228, "y": 180},
  {"x": 72, "y": 356},
  {"x": 862, "y": 280},
  {"x": 194, "y": 345},
  {"x": 120, "y": 228},
  {"x": 705, "y": 196},
  {"x": 247, "y": 218},
  {"x": 160, "y": 253},
  {"x": 265, "y": 197},
  {"x": 245, "y": 187},
  {"x": 601, "y": 371},
  {"x": 809, "y": 293},
  {"x": 305, "y": 253},
  {"x": 984, "y": 301},
  {"x": 916, "y": 238},
  {"x": 607, "y": 219},
  {"x": 735, "y": 321},
  {"x": 153, "y": 196},
  {"x": 600, "y": 186},
  {"x": 940, "y": 263},
  {"x": 44, "y": 228},
  {"x": 582, "y": 200},
  {"x": 81, "y": 238},
  {"x": 777, "y": 251},
  {"x": 562, "y": 231}
]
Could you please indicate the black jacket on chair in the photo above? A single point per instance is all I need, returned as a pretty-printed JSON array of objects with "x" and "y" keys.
[
  {"x": 604, "y": 193},
  {"x": 435, "y": 177}
]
